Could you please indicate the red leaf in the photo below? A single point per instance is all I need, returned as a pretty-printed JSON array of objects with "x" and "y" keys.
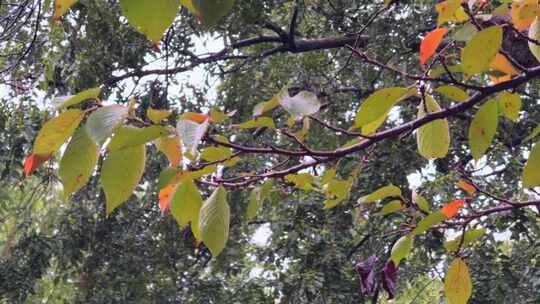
[
  {"x": 34, "y": 161},
  {"x": 452, "y": 208},
  {"x": 430, "y": 43}
]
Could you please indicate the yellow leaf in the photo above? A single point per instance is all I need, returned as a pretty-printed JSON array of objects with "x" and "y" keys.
[
  {"x": 481, "y": 50},
  {"x": 170, "y": 146},
  {"x": 500, "y": 63},
  {"x": 156, "y": 116},
  {"x": 531, "y": 172},
  {"x": 61, "y": 7},
  {"x": 433, "y": 138},
  {"x": 483, "y": 128},
  {"x": 56, "y": 131},
  {"x": 457, "y": 283}
]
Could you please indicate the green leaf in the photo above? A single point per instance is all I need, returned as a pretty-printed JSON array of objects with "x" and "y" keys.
[
  {"x": 67, "y": 101},
  {"x": 301, "y": 180},
  {"x": 483, "y": 128},
  {"x": 534, "y": 33},
  {"x": 465, "y": 33},
  {"x": 433, "y": 138},
  {"x": 453, "y": 93},
  {"x": 380, "y": 193},
  {"x": 213, "y": 154},
  {"x": 186, "y": 205},
  {"x": 120, "y": 174},
  {"x": 211, "y": 11},
  {"x": 166, "y": 176},
  {"x": 102, "y": 122},
  {"x": 151, "y": 18},
  {"x": 214, "y": 221},
  {"x": 128, "y": 136},
  {"x": 533, "y": 134},
  {"x": 457, "y": 283},
  {"x": 266, "y": 106},
  {"x": 204, "y": 171},
  {"x": 259, "y": 122},
  {"x": 217, "y": 116},
  {"x": 391, "y": 207},
  {"x": 78, "y": 162},
  {"x": 191, "y": 134},
  {"x": 509, "y": 105},
  {"x": 470, "y": 236},
  {"x": 254, "y": 203},
  {"x": 156, "y": 116},
  {"x": 336, "y": 191},
  {"x": 302, "y": 104},
  {"x": 377, "y": 106},
  {"x": 531, "y": 172},
  {"x": 421, "y": 202},
  {"x": 481, "y": 49},
  {"x": 56, "y": 131},
  {"x": 402, "y": 248},
  {"x": 428, "y": 222}
]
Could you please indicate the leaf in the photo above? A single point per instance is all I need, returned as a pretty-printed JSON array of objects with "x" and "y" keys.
[
  {"x": 257, "y": 197},
  {"x": 402, "y": 248},
  {"x": 186, "y": 205},
  {"x": 465, "y": 33},
  {"x": 305, "y": 129},
  {"x": 470, "y": 236},
  {"x": 259, "y": 122},
  {"x": 61, "y": 7},
  {"x": 214, "y": 221},
  {"x": 214, "y": 154},
  {"x": 199, "y": 118},
  {"x": 380, "y": 193},
  {"x": 376, "y": 107},
  {"x": 56, "y": 131},
  {"x": 120, "y": 174},
  {"x": 217, "y": 116},
  {"x": 156, "y": 116},
  {"x": 421, "y": 202},
  {"x": 433, "y": 138},
  {"x": 531, "y": 172},
  {"x": 483, "y": 128},
  {"x": 481, "y": 49},
  {"x": 390, "y": 279},
  {"x": 266, "y": 106},
  {"x": 430, "y": 43},
  {"x": 191, "y": 134},
  {"x": 509, "y": 105},
  {"x": 366, "y": 272},
  {"x": 457, "y": 283},
  {"x": 34, "y": 161},
  {"x": 523, "y": 13},
  {"x": 533, "y": 134},
  {"x": 336, "y": 191},
  {"x": 450, "y": 209},
  {"x": 302, "y": 104},
  {"x": 211, "y": 11},
  {"x": 301, "y": 180},
  {"x": 534, "y": 33},
  {"x": 171, "y": 147},
  {"x": 67, "y": 101},
  {"x": 501, "y": 64},
  {"x": 450, "y": 11},
  {"x": 128, "y": 136},
  {"x": 453, "y": 93},
  {"x": 78, "y": 162},
  {"x": 151, "y": 18},
  {"x": 391, "y": 207},
  {"x": 102, "y": 122},
  {"x": 428, "y": 222},
  {"x": 466, "y": 186},
  {"x": 167, "y": 176}
]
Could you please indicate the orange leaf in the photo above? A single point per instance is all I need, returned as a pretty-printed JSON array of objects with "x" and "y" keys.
[
  {"x": 34, "y": 161},
  {"x": 523, "y": 13},
  {"x": 165, "y": 194},
  {"x": 497, "y": 80},
  {"x": 466, "y": 186},
  {"x": 170, "y": 146},
  {"x": 452, "y": 208},
  {"x": 430, "y": 43},
  {"x": 501, "y": 63},
  {"x": 196, "y": 117}
]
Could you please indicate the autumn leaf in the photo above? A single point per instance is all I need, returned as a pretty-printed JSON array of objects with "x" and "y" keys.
[
  {"x": 452, "y": 208},
  {"x": 466, "y": 186},
  {"x": 430, "y": 43},
  {"x": 457, "y": 283},
  {"x": 34, "y": 161}
]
